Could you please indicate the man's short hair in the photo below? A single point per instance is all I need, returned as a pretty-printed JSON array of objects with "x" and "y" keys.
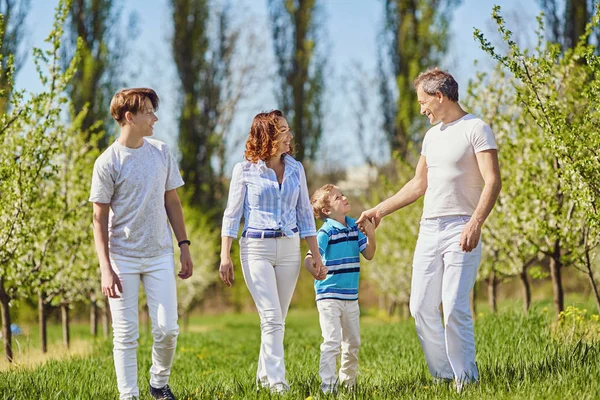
[
  {"x": 131, "y": 100},
  {"x": 435, "y": 80},
  {"x": 319, "y": 201}
]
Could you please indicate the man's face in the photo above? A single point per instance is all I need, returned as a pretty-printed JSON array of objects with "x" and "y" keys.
[
  {"x": 430, "y": 105},
  {"x": 144, "y": 119}
]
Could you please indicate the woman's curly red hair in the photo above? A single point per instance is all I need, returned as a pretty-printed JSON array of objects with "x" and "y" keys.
[{"x": 262, "y": 141}]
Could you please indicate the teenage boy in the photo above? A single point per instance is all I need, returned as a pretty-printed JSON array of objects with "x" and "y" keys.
[{"x": 134, "y": 198}]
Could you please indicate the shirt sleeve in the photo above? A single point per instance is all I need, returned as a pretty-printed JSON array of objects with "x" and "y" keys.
[
  {"x": 362, "y": 241},
  {"x": 304, "y": 213},
  {"x": 103, "y": 185},
  {"x": 424, "y": 146},
  {"x": 174, "y": 179},
  {"x": 482, "y": 138},
  {"x": 322, "y": 241},
  {"x": 235, "y": 204}
]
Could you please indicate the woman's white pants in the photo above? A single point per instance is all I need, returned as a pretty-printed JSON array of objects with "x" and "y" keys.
[{"x": 270, "y": 268}]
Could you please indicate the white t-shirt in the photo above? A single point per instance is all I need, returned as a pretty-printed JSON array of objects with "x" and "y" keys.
[
  {"x": 454, "y": 182},
  {"x": 134, "y": 182}
]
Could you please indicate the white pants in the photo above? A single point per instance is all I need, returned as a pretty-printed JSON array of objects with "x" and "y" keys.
[
  {"x": 158, "y": 277},
  {"x": 340, "y": 327},
  {"x": 443, "y": 273},
  {"x": 270, "y": 268}
]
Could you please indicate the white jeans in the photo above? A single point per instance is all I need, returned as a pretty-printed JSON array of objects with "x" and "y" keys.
[
  {"x": 443, "y": 273},
  {"x": 270, "y": 268},
  {"x": 340, "y": 327},
  {"x": 158, "y": 277}
]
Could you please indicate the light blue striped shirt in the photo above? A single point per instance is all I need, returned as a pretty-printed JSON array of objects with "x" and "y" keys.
[
  {"x": 255, "y": 193},
  {"x": 340, "y": 247}
]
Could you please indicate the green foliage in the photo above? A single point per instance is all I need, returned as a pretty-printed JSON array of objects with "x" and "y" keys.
[{"x": 391, "y": 268}]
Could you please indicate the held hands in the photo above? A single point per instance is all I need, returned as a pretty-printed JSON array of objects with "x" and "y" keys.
[
  {"x": 372, "y": 216},
  {"x": 187, "y": 266},
  {"x": 470, "y": 236},
  {"x": 367, "y": 227},
  {"x": 226, "y": 271},
  {"x": 315, "y": 266},
  {"x": 110, "y": 284}
]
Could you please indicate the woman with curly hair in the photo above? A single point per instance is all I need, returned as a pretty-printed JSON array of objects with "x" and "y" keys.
[{"x": 269, "y": 189}]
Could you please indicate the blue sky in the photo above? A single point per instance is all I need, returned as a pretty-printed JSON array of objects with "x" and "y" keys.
[{"x": 352, "y": 26}]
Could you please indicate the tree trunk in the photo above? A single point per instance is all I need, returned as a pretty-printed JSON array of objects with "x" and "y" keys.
[
  {"x": 392, "y": 308},
  {"x": 493, "y": 291},
  {"x": 6, "y": 333},
  {"x": 93, "y": 316},
  {"x": 526, "y": 291},
  {"x": 64, "y": 308},
  {"x": 106, "y": 318},
  {"x": 474, "y": 301},
  {"x": 590, "y": 274},
  {"x": 42, "y": 322},
  {"x": 555, "y": 267}
]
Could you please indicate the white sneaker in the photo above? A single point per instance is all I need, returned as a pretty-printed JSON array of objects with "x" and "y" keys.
[{"x": 280, "y": 388}]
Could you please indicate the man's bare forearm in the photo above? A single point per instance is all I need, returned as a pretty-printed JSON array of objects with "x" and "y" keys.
[
  {"x": 409, "y": 193},
  {"x": 488, "y": 198}
]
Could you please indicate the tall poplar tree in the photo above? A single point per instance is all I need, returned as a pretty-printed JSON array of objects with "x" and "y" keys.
[
  {"x": 12, "y": 30},
  {"x": 298, "y": 39},
  {"x": 414, "y": 38}
]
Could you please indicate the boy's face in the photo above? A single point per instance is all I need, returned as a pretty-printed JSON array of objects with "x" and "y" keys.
[
  {"x": 338, "y": 205},
  {"x": 144, "y": 119}
]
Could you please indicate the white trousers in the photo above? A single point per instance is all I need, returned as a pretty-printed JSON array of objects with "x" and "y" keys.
[
  {"x": 443, "y": 273},
  {"x": 270, "y": 268},
  {"x": 158, "y": 276},
  {"x": 340, "y": 327}
]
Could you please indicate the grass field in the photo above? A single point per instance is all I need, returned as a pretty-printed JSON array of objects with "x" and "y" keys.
[{"x": 519, "y": 358}]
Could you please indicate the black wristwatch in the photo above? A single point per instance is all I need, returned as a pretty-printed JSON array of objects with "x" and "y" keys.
[{"x": 182, "y": 242}]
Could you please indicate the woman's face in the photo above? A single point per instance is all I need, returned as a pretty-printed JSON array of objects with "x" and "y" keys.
[{"x": 284, "y": 137}]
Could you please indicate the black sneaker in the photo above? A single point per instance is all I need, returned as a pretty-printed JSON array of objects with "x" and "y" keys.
[{"x": 164, "y": 393}]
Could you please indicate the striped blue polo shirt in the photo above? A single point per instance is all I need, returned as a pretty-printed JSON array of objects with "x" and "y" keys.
[{"x": 340, "y": 247}]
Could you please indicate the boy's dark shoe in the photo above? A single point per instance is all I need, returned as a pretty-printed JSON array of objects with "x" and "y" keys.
[{"x": 164, "y": 393}]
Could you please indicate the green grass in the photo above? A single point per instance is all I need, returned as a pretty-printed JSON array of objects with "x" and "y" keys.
[{"x": 517, "y": 357}]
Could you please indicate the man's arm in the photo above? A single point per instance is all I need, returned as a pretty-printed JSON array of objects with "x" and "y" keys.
[
  {"x": 110, "y": 280},
  {"x": 175, "y": 214},
  {"x": 409, "y": 193},
  {"x": 487, "y": 161}
]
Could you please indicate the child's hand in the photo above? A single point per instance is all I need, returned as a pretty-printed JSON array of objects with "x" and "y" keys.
[{"x": 367, "y": 227}]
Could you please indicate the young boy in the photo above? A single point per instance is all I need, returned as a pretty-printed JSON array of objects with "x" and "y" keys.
[
  {"x": 134, "y": 194},
  {"x": 340, "y": 244}
]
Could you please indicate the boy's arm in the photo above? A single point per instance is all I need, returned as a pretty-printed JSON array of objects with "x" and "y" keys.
[
  {"x": 175, "y": 214},
  {"x": 110, "y": 280},
  {"x": 369, "y": 251}
]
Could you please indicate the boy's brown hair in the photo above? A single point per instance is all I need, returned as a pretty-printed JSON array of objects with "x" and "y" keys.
[
  {"x": 319, "y": 201},
  {"x": 131, "y": 100}
]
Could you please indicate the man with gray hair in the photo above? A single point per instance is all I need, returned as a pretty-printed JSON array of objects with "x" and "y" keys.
[{"x": 459, "y": 175}]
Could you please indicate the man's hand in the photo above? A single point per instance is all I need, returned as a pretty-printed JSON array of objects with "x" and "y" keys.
[
  {"x": 470, "y": 236},
  {"x": 187, "y": 266},
  {"x": 110, "y": 284},
  {"x": 372, "y": 215},
  {"x": 226, "y": 271}
]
